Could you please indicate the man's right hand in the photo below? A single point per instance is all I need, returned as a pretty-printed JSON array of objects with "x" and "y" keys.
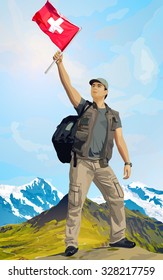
[{"x": 58, "y": 56}]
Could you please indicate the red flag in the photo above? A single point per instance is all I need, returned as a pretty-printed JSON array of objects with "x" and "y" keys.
[{"x": 60, "y": 30}]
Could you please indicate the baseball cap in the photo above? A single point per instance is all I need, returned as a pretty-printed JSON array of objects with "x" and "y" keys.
[{"x": 100, "y": 80}]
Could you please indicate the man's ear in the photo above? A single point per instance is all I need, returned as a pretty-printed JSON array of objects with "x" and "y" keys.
[{"x": 106, "y": 92}]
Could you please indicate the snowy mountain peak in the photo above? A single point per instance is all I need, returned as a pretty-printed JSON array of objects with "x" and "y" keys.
[
  {"x": 37, "y": 181},
  {"x": 137, "y": 185},
  {"x": 138, "y": 196},
  {"x": 147, "y": 200},
  {"x": 19, "y": 203}
]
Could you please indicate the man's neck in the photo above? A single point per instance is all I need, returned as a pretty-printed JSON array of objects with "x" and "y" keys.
[{"x": 100, "y": 103}]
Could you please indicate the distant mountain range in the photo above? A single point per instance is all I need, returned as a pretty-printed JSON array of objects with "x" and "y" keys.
[
  {"x": 140, "y": 197},
  {"x": 18, "y": 204},
  {"x": 43, "y": 235}
]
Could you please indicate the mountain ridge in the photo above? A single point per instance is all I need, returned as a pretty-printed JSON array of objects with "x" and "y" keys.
[
  {"x": 139, "y": 196},
  {"x": 43, "y": 235},
  {"x": 147, "y": 232},
  {"x": 20, "y": 203}
]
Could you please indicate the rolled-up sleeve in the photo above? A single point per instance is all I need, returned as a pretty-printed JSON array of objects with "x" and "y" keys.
[
  {"x": 80, "y": 106},
  {"x": 119, "y": 123}
]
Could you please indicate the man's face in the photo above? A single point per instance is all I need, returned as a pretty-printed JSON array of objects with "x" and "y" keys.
[{"x": 98, "y": 90}]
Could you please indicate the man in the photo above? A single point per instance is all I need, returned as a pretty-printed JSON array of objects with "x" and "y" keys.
[{"x": 92, "y": 150}]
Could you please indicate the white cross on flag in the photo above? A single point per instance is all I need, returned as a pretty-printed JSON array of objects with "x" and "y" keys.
[{"x": 60, "y": 30}]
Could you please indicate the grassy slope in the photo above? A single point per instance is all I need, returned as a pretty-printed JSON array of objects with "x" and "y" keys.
[
  {"x": 29, "y": 241},
  {"x": 26, "y": 242}
]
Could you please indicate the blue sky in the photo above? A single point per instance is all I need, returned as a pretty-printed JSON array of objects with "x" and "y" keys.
[{"x": 120, "y": 40}]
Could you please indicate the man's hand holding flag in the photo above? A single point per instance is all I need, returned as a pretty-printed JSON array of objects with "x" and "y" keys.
[{"x": 59, "y": 29}]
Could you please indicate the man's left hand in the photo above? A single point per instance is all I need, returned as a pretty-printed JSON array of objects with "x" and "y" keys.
[{"x": 127, "y": 171}]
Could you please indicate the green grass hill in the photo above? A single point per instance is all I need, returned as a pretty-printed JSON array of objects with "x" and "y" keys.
[{"x": 44, "y": 234}]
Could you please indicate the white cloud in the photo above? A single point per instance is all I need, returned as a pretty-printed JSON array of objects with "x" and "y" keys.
[
  {"x": 150, "y": 106},
  {"x": 76, "y": 70},
  {"x": 26, "y": 48},
  {"x": 129, "y": 30},
  {"x": 115, "y": 93},
  {"x": 145, "y": 67},
  {"x": 80, "y": 8},
  {"x": 30, "y": 54},
  {"x": 118, "y": 15},
  {"x": 26, "y": 144},
  {"x": 126, "y": 107},
  {"x": 117, "y": 73},
  {"x": 137, "y": 104},
  {"x": 43, "y": 157}
]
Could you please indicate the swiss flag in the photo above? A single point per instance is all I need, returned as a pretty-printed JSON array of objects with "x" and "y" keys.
[{"x": 60, "y": 30}]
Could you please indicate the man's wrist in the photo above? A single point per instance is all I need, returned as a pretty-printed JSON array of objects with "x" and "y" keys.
[{"x": 128, "y": 163}]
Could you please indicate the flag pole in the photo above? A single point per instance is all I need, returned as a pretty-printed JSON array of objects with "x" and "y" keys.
[
  {"x": 46, "y": 71},
  {"x": 50, "y": 66}
]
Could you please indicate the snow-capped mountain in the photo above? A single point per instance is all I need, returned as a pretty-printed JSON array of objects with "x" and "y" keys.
[
  {"x": 146, "y": 200},
  {"x": 20, "y": 203}
]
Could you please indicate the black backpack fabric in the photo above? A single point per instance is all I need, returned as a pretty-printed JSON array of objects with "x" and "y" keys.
[{"x": 64, "y": 135}]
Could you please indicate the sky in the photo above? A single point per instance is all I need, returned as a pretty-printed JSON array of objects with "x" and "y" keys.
[{"x": 121, "y": 41}]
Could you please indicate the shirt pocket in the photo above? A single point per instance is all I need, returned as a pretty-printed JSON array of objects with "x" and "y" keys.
[{"x": 84, "y": 121}]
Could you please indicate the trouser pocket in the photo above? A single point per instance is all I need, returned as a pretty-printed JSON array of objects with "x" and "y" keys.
[
  {"x": 118, "y": 188},
  {"x": 73, "y": 196}
]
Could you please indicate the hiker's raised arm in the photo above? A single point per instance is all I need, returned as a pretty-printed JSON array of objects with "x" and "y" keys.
[{"x": 72, "y": 93}]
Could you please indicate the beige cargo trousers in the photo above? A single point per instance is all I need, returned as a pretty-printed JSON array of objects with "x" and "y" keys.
[{"x": 104, "y": 178}]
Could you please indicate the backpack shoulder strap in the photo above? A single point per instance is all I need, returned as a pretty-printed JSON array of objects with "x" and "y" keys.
[{"x": 85, "y": 107}]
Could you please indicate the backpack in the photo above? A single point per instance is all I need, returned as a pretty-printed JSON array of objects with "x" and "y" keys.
[{"x": 64, "y": 135}]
